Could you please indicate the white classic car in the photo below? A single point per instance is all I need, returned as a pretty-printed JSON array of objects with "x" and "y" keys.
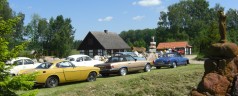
[
  {"x": 20, "y": 64},
  {"x": 83, "y": 60}
]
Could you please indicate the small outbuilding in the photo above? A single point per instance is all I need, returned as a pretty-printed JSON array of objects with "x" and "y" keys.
[
  {"x": 102, "y": 43},
  {"x": 182, "y": 47}
]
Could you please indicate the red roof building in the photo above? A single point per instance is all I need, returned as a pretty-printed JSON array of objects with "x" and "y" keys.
[{"x": 182, "y": 47}]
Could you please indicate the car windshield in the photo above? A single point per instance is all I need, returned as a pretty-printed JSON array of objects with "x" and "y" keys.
[
  {"x": 113, "y": 59},
  {"x": 70, "y": 59},
  {"x": 45, "y": 65}
]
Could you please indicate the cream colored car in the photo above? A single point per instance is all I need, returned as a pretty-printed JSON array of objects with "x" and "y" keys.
[{"x": 122, "y": 64}]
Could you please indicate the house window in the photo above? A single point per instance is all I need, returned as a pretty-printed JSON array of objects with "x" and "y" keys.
[
  {"x": 100, "y": 52},
  {"x": 90, "y": 53},
  {"x": 81, "y": 51}
]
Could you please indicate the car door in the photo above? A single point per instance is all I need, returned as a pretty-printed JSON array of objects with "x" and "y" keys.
[
  {"x": 133, "y": 64},
  {"x": 28, "y": 64},
  {"x": 180, "y": 59},
  {"x": 88, "y": 61},
  {"x": 19, "y": 65},
  {"x": 70, "y": 72},
  {"x": 79, "y": 61}
]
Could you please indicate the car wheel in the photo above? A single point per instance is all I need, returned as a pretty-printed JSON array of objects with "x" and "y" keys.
[
  {"x": 52, "y": 81},
  {"x": 147, "y": 68},
  {"x": 174, "y": 65},
  {"x": 123, "y": 71},
  {"x": 92, "y": 76},
  {"x": 158, "y": 67},
  {"x": 186, "y": 63}
]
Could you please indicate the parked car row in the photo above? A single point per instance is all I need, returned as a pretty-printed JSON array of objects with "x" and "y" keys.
[{"x": 83, "y": 67}]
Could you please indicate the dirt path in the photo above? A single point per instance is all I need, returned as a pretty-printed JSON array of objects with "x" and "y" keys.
[{"x": 192, "y": 60}]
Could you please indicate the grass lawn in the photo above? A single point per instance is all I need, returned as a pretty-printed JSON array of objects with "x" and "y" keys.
[{"x": 158, "y": 82}]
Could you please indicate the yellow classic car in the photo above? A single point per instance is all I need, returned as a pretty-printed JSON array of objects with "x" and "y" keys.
[{"x": 51, "y": 74}]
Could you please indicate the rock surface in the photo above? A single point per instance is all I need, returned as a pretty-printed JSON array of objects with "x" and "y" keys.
[{"x": 220, "y": 70}]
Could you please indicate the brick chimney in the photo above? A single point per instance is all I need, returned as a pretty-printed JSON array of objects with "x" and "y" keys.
[{"x": 106, "y": 31}]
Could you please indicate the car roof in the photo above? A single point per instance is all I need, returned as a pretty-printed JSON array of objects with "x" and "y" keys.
[
  {"x": 125, "y": 52},
  {"x": 18, "y": 58},
  {"x": 15, "y": 59}
]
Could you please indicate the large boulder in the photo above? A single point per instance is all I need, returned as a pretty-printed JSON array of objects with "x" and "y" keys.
[
  {"x": 221, "y": 71},
  {"x": 222, "y": 50},
  {"x": 215, "y": 84}
]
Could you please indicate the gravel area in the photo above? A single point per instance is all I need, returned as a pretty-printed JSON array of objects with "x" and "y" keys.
[{"x": 192, "y": 60}]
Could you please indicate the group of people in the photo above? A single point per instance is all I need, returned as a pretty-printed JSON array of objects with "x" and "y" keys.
[{"x": 169, "y": 50}]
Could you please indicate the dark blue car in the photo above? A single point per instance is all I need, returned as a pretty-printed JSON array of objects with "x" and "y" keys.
[{"x": 171, "y": 60}]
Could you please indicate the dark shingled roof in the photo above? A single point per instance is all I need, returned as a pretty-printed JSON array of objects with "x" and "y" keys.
[{"x": 109, "y": 40}]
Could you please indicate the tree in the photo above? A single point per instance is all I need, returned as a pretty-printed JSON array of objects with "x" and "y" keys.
[
  {"x": 33, "y": 33},
  {"x": 232, "y": 25},
  {"x": 8, "y": 25},
  {"x": 138, "y": 38},
  {"x": 189, "y": 20},
  {"x": 51, "y": 38},
  {"x": 7, "y": 83}
]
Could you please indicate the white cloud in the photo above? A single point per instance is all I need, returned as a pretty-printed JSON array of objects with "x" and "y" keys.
[
  {"x": 138, "y": 18},
  {"x": 147, "y": 3},
  {"x": 108, "y": 18}
]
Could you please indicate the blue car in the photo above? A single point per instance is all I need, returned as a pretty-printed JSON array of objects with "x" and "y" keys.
[{"x": 171, "y": 60}]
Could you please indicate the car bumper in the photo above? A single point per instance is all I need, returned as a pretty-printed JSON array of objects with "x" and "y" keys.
[
  {"x": 162, "y": 64},
  {"x": 108, "y": 71}
]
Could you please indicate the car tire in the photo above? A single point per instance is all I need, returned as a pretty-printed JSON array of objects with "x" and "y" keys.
[
  {"x": 92, "y": 76},
  {"x": 158, "y": 67},
  {"x": 174, "y": 65},
  {"x": 51, "y": 81},
  {"x": 147, "y": 68},
  {"x": 186, "y": 63},
  {"x": 123, "y": 71}
]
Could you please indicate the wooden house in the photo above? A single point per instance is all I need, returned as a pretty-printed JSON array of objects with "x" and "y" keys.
[
  {"x": 182, "y": 47},
  {"x": 102, "y": 43}
]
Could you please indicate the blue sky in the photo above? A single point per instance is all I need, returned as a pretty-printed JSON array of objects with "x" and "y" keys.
[{"x": 98, "y": 15}]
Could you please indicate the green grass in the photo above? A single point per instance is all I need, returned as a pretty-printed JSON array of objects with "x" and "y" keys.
[
  {"x": 74, "y": 51},
  {"x": 159, "y": 82}
]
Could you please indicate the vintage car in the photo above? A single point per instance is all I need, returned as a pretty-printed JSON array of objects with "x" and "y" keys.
[
  {"x": 83, "y": 60},
  {"x": 52, "y": 73},
  {"x": 21, "y": 63},
  {"x": 171, "y": 60},
  {"x": 122, "y": 64}
]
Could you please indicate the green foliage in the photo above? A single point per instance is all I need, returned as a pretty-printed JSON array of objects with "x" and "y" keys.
[
  {"x": 22, "y": 82},
  {"x": 51, "y": 38},
  {"x": 232, "y": 25},
  {"x": 9, "y": 84},
  {"x": 76, "y": 44},
  {"x": 138, "y": 38}
]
